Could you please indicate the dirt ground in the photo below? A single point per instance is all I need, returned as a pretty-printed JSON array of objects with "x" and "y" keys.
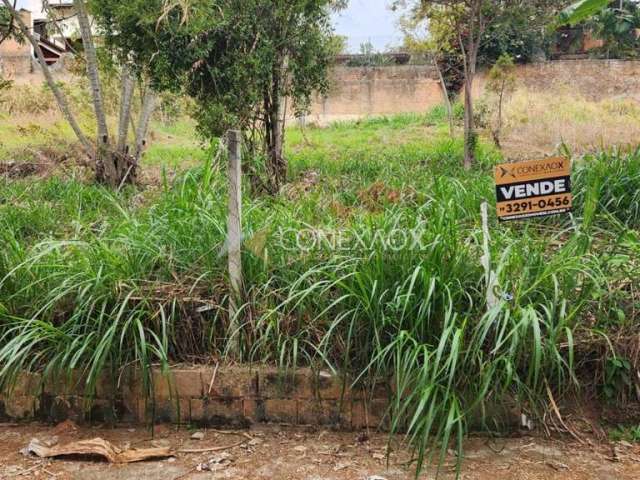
[{"x": 283, "y": 452}]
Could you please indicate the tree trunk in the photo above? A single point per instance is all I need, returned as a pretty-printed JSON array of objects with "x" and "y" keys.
[
  {"x": 277, "y": 160},
  {"x": 445, "y": 94},
  {"x": 61, "y": 100},
  {"x": 126, "y": 163},
  {"x": 275, "y": 114},
  {"x": 470, "y": 57},
  {"x": 114, "y": 166},
  {"x": 497, "y": 133},
  {"x": 126, "y": 99},
  {"x": 469, "y": 125},
  {"x": 148, "y": 106},
  {"x": 106, "y": 169}
]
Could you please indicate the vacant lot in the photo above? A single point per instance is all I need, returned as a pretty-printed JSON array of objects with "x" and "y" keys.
[{"x": 96, "y": 280}]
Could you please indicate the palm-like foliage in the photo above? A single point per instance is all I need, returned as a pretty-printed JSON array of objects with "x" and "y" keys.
[
  {"x": 617, "y": 28},
  {"x": 581, "y": 11}
]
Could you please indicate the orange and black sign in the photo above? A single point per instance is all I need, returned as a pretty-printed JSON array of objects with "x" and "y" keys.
[{"x": 538, "y": 188}]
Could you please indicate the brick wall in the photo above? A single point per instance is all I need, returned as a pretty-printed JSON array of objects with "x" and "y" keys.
[
  {"x": 359, "y": 91},
  {"x": 592, "y": 79},
  {"x": 15, "y": 64},
  {"x": 206, "y": 396}
]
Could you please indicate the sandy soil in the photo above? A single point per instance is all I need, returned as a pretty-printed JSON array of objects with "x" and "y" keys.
[{"x": 282, "y": 452}]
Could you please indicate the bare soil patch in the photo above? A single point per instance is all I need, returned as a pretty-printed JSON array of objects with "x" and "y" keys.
[
  {"x": 283, "y": 452},
  {"x": 21, "y": 169},
  {"x": 42, "y": 162}
]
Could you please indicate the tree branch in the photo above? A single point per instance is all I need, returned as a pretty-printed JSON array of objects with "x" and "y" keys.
[
  {"x": 92, "y": 71},
  {"x": 126, "y": 99},
  {"x": 10, "y": 27},
  {"x": 148, "y": 106}
]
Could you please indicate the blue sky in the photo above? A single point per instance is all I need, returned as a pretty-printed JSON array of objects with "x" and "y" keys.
[
  {"x": 368, "y": 20},
  {"x": 361, "y": 21}
]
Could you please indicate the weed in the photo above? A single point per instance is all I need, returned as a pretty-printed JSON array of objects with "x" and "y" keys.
[{"x": 626, "y": 434}]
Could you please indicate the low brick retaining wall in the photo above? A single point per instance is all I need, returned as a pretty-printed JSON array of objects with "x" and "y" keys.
[{"x": 204, "y": 396}]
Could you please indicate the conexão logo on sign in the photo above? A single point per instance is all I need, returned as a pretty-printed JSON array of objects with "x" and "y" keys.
[{"x": 537, "y": 188}]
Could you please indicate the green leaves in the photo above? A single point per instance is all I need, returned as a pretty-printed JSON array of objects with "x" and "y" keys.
[
  {"x": 581, "y": 11},
  {"x": 236, "y": 58},
  {"x": 8, "y": 27}
]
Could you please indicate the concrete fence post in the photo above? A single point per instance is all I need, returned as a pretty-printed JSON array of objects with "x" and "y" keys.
[{"x": 234, "y": 237}]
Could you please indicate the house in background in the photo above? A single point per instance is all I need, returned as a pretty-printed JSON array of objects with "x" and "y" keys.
[{"x": 55, "y": 28}]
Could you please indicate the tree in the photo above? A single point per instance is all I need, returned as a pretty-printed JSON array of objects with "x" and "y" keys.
[
  {"x": 7, "y": 25},
  {"x": 468, "y": 21},
  {"x": 114, "y": 164},
  {"x": 501, "y": 82},
  {"x": 615, "y": 22},
  {"x": 241, "y": 60},
  {"x": 472, "y": 24},
  {"x": 520, "y": 30},
  {"x": 369, "y": 57},
  {"x": 617, "y": 25}
]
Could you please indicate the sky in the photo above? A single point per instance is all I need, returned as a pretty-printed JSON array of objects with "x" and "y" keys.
[
  {"x": 368, "y": 20},
  {"x": 361, "y": 21}
]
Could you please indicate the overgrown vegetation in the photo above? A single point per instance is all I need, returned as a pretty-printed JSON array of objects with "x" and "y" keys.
[
  {"x": 617, "y": 26},
  {"x": 536, "y": 122},
  {"x": 7, "y": 25},
  {"x": 463, "y": 35},
  {"x": 369, "y": 57},
  {"x": 95, "y": 281},
  {"x": 368, "y": 258}
]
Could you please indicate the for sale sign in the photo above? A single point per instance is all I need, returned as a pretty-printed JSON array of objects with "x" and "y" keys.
[{"x": 538, "y": 188}]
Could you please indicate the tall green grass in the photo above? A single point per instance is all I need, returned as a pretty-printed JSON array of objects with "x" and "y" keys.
[{"x": 94, "y": 281}]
